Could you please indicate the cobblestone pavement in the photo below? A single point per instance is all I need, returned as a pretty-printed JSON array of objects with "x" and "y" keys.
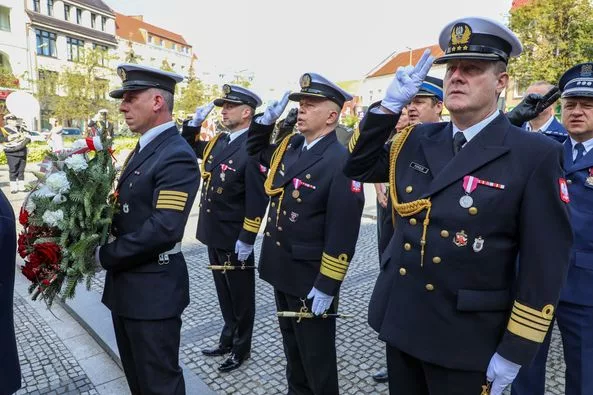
[{"x": 48, "y": 366}]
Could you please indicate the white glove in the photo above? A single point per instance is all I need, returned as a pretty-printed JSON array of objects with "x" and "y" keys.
[
  {"x": 201, "y": 114},
  {"x": 321, "y": 301},
  {"x": 501, "y": 372},
  {"x": 274, "y": 110},
  {"x": 406, "y": 83},
  {"x": 243, "y": 250}
]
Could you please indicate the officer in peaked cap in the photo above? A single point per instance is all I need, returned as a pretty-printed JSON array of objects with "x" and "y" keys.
[
  {"x": 232, "y": 208},
  {"x": 147, "y": 283},
  {"x": 427, "y": 105},
  {"x": 457, "y": 314},
  {"x": 238, "y": 95},
  {"x": 311, "y": 229},
  {"x": 574, "y": 313}
]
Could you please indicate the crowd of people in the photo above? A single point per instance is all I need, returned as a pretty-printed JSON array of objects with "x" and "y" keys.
[{"x": 482, "y": 223}]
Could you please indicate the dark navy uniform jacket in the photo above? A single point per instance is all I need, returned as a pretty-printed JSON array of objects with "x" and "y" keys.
[
  {"x": 156, "y": 191},
  {"x": 311, "y": 229},
  {"x": 233, "y": 201},
  {"x": 579, "y": 176},
  {"x": 10, "y": 372},
  {"x": 465, "y": 301},
  {"x": 555, "y": 131}
]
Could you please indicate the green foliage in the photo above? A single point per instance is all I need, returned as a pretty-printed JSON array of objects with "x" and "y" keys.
[
  {"x": 242, "y": 81},
  {"x": 350, "y": 121},
  {"x": 556, "y": 35},
  {"x": 195, "y": 94},
  {"x": 166, "y": 66},
  {"x": 7, "y": 79},
  {"x": 131, "y": 56}
]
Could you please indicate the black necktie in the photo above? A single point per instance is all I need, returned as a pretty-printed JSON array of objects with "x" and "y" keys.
[
  {"x": 458, "y": 141},
  {"x": 580, "y": 151},
  {"x": 221, "y": 144}
]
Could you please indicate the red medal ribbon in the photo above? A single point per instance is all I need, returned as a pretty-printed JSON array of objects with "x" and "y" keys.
[
  {"x": 224, "y": 167},
  {"x": 590, "y": 171},
  {"x": 297, "y": 184},
  {"x": 491, "y": 184},
  {"x": 470, "y": 183}
]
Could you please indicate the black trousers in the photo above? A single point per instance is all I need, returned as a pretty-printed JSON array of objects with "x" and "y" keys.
[
  {"x": 236, "y": 297},
  {"x": 16, "y": 166},
  {"x": 149, "y": 352},
  {"x": 310, "y": 349},
  {"x": 411, "y": 376}
]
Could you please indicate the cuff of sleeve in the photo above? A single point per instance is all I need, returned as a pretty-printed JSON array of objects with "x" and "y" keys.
[
  {"x": 334, "y": 267},
  {"x": 252, "y": 224}
]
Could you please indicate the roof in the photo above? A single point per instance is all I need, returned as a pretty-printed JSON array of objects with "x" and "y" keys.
[
  {"x": 389, "y": 66},
  {"x": 519, "y": 3},
  {"x": 96, "y": 4},
  {"x": 81, "y": 31},
  {"x": 129, "y": 28}
]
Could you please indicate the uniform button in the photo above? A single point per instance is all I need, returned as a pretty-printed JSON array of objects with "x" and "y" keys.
[
  {"x": 280, "y": 228},
  {"x": 473, "y": 210},
  {"x": 444, "y": 233},
  {"x": 284, "y": 212},
  {"x": 407, "y": 246},
  {"x": 273, "y": 204},
  {"x": 268, "y": 234},
  {"x": 436, "y": 259},
  {"x": 569, "y": 181},
  {"x": 207, "y": 210},
  {"x": 429, "y": 287},
  {"x": 409, "y": 189},
  {"x": 269, "y": 219},
  {"x": 278, "y": 243},
  {"x": 402, "y": 271},
  {"x": 299, "y": 200},
  {"x": 209, "y": 199},
  {"x": 413, "y": 221}
]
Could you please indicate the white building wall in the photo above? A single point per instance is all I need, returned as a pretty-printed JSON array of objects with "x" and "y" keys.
[{"x": 13, "y": 43}]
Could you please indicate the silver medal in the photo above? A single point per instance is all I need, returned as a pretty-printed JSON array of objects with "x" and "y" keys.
[
  {"x": 222, "y": 176},
  {"x": 126, "y": 208},
  {"x": 466, "y": 201}
]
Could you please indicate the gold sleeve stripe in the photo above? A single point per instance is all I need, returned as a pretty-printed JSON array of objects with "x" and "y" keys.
[
  {"x": 353, "y": 140},
  {"x": 172, "y": 201},
  {"x": 169, "y": 206},
  {"x": 525, "y": 331},
  {"x": 176, "y": 198},
  {"x": 521, "y": 320},
  {"x": 253, "y": 222},
  {"x": 334, "y": 267},
  {"x": 546, "y": 313},
  {"x": 531, "y": 318},
  {"x": 250, "y": 228},
  {"x": 173, "y": 193}
]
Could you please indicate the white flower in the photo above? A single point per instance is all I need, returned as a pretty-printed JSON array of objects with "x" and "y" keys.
[
  {"x": 43, "y": 191},
  {"x": 76, "y": 162},
  {"x": 59, "y": 199},
  {"x": 58, "y": 182},
  {"x": 53, "y": 217},
  {"x": 30, "y": 205}
]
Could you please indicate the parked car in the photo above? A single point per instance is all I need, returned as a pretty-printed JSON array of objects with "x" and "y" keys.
[
  {"x": 71, "y": 132},
  {"x": 36, "y": 135}
]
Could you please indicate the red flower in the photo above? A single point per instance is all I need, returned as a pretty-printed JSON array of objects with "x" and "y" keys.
[
  {"x": 30, "y": 272},
  {"x": 23, "y": 245},
  {"x": 24, "y": 217},
  {"x": 49, "y": 253}
]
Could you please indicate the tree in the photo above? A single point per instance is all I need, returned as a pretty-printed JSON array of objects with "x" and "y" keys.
[
  {"x": 556, "y": 35},
  {"x": 131, "y": 56},
  {"x": 165, "y": 66},
  {"x": 78, "y": 92},
  {"x": 195, "y": 94},
  {"x": 7, "y": 79},
  {"x": 240, "y": 80}
]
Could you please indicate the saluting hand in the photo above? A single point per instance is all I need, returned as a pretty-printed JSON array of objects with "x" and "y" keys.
[
  {"x": 531, "y": 106},
  {"x": 406, "y": 83},
  {"x": 201, "y": 114},
  {"x": 274, "y": 110}
]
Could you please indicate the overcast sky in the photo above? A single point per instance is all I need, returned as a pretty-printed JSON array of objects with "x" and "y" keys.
[{"x": 279, "y": 40}]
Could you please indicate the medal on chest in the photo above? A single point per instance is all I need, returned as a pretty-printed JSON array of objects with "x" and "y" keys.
[
  {"x": 223, "y": 168},
  {"x": 470, "y": 183},
  {"x": 297, "y": 183},
  {"x": 125, "y": 208},
  {"x": 589, "y": 179}
]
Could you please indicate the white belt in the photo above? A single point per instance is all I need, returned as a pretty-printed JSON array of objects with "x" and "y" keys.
[{"x": 164, "y": 257}]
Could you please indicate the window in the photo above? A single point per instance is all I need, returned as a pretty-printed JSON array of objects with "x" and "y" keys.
[
  {"x": 149, "y": 39},
  {"x": 36, "y": 6},
  {"x": 93, "y": 16},
  {"x": 78, "y": 16},
  {"x": 75, "y": 49},
  {"x": 103, "y": 22},
  {"x": 103, "y": 51},
  {"x": 66, "y": 12},
  {"x": 5, "y": 19},
  {"x": 519, "y": 89},
  {"x": 50, "y": 7},
  {"x": 46, "y": 43}
]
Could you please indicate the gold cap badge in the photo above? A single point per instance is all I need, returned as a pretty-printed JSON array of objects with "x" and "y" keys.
[
  {"x": 305, "y": 81},
  {"x": 460, "y": 34},
  {"x": 226, "y": 89},
  {"x": 122, "y": 74}
]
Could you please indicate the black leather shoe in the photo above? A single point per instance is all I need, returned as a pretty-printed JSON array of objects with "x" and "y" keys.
[
  {"x": 232, "y": 362},
  {"x": 381, "y": 376},
  {"x": 216, "y": 351}
]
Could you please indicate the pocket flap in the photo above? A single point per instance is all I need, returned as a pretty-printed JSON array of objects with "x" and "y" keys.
[
  {"x": 483, "y": 300},
  {"x": 584, "y": 260},
  {"x": 307, "y": 252}
]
